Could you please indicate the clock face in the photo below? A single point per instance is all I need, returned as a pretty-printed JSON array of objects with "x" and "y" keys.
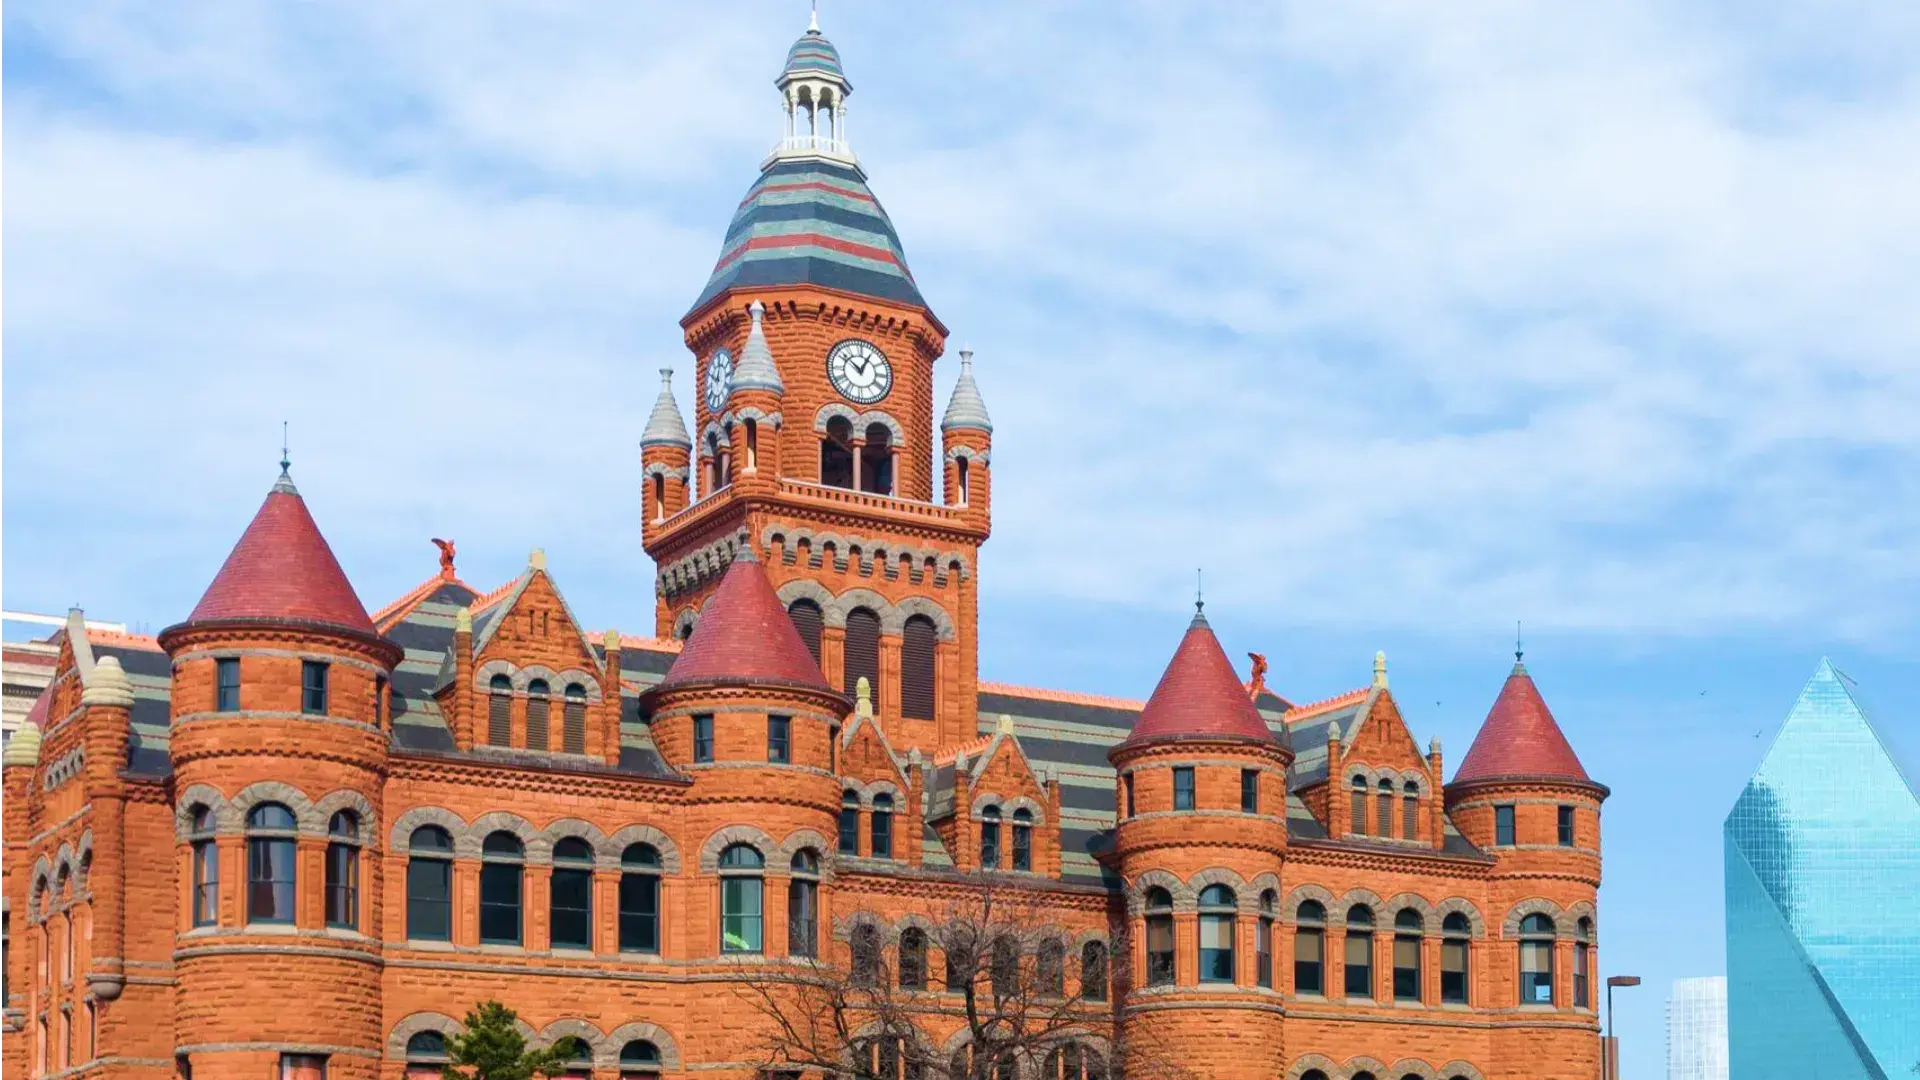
[
  {"x": 859, "y": 371},
  {"x": 719, "y": 379}
]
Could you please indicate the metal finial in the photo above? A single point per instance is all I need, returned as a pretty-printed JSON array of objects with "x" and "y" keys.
[
  {"x": 813, "y": 21},
  {"x": 1199, "y": 591},
  {"x": 1519, "y": 652},
  {"x": 286, "y": 461}
]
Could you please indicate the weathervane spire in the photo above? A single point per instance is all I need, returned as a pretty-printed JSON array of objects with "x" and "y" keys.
[
  {"x": 813, "y": 21},
  {"x": 286, "y": 462}
]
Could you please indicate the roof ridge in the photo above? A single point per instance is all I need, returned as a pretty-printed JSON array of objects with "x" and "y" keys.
[
  {"x": 487, "y": 600},
  {"x": 112, "y": 637},
  {"x": 1348, "y": 697},
  {"x": 954, "y": 753},
  {"x": 1069, "y": 697},
  {"x": 412, "y": 597}
]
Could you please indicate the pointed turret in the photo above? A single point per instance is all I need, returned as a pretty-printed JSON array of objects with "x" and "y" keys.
[
  {"x": 1199, "y": 696},
  {"x": 664, "y": 426},
  {"x": 744, "y": 637},
  {"x": 965, "y": 410},
  {"x": 1519, "y": 739},
  {"x": 756, "y": 370},
  {"x": 666, "y": 455}
]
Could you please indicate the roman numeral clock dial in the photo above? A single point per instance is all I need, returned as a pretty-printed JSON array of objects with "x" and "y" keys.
[
  {"x": 859, "y": 371},
  {"x": 719, "y": 379}
]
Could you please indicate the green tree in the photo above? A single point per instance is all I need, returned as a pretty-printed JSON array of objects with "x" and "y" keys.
[{"x": 492, "y": 1048}]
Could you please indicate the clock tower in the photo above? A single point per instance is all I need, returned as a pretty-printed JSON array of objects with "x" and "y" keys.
[{"x": 813, "y": 437}]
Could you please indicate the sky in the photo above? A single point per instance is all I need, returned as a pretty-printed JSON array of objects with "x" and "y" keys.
[{"x": 1407, "y": 322}]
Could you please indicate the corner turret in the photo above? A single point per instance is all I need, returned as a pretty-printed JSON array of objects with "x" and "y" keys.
[
  {"x": 665, "y": 453},
  {"x": 967, "y": 434}
]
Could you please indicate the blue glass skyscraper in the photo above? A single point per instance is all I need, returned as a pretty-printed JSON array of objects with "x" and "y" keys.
[{"x": 1823, "y": 901}]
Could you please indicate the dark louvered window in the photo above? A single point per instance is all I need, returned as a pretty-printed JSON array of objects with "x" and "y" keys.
[
  {"x": 863, "y": 649},
  {"x": 917, "y": 643},
  {"x": 806, "y": 619},
  {"x": 500, "y": 711},
  {"x": 538, "y": 703},
  {"x": 574, "y": 720}
]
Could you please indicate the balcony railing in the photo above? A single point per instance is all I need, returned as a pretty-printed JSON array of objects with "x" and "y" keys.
[
  {"x": 823, "y": 145},
  {"x": 867, "y": 500}
]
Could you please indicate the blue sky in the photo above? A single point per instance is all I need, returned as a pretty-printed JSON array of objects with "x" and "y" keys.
[{"x": 1406, "y": 321}]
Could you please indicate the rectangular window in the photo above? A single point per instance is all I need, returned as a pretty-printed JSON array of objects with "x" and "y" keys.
[
  {"x": 313, "y": 687},
  {"x": 429, "y": 900},
  {"x": 1216, "y": 948},
  {"x": 571, "y": 908},
  {"x": 206, "y": 883},
  {"x": 1412, "y": 830},
  {"x": 1536, "y": 973},
  {"x": 1359, "y": 957},
  {"x": 1385, "y": 824},
  {"x": 226, "y": 678},
  {"x": 1250, "y": 791},
  {"x": 1357, "y": 807},
  {"x": 1580, "y": 992},
  {"x": 1566, "y": 826},
  {"x": 1263, "y": 952},
  {"x": 343, "y": 886},
  {"x": 1453, "y": 972},
  {"x": 1406, "y": 968},
  {"x": 849, "y": 822},
  {"x": 1503, "y": 825},
  {"x": 1308, "y": 962},
  {"x": 303, "y": 1067},
  {"x": 778, "y": 729},
  {"x": 1159, "y": 950},
  {"x": 1183, "y": 787},
  {"x": 639, "y": 913},
  {"x": 740, "y": 915},
  {"x": 1127, "y": 782},
  {"x": 703, "y": 738},
  {"x": 500, "y": 903}
]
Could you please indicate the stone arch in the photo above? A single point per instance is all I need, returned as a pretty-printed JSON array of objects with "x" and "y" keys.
[
  {"x": 1429, "y": 922},
  {"x": 1309, "y": 1062},
  {"x": 1364, "y": 1063},
  {"x": 1475, "y": 924},
  {"x": 636, "y": 834},
  {"x": 714, "y": 429},
  {"x": 537, "y": 848},
  {"x": 806, "y": 838},
  {"x": 201, "y": 795},
  {"x": 830, "y": 410},
  {"x": 1409, "y": 1067},
  {"x": 525, "y": 676},
  {"x": 1538, "y": 905},
  {"x": 684, "y": 623},
  {"x": 885, "y": 419},
  {"x": 919, "y": 605},
  {"x": 1243, "y": 897},
  {"x": 640, "y": 1029},
  {"x": 889, "y": 933},
  {"x": 266, "y": 791},
  {"x": 866, "y": 598},
  {"x": 347, "y": 799},
  {"x": 1415, "y": 777},
  {"x": 403, "y": 826},
  {"x": 736, "y": 834},
  {"x": 1584, "y": 910},
  {"x": 561, "y": 828},
  {"x": 748, "y": 412},
  {"x": 658, "y": 468},
  {"x": 1137, "y": 891},
  {"x": 1290, "y": 907},
  {"x": 66, "y": 868},
  {"x": 483, "y": 675},
  {"x": 984, "y": 800},
  {"x": 588, "y": 681},
  {"x": 956, "y": 452},
  {"x": 1461, "y": 1069},
  {"x": 1023, "y": 803},
  {"x": 579, "y": 1029},
  {"x": 1338, "y": 912},
  {"x": 414, "y": 1024},
  {"x": 807, "y": 589}
]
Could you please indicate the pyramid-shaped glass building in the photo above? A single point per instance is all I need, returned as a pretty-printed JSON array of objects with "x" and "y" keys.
[{"x": 1823, "y": 901}]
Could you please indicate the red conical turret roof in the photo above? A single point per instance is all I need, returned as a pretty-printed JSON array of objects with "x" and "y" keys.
[
  {"x": 1519, "y": 739},
  {"x": 1199, "y": 696},
  {"x": 744, "y": 636},
  {"x": 283, "y": 571}
]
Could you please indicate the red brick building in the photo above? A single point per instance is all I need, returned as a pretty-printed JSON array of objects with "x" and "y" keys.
[{"x": 287, "y": 837}]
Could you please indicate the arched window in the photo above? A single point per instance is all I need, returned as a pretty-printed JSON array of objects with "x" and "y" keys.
[
  {"x": 1093, "y": 971},
  {"x": 270, "y": 858},
  {"x": 1582, "y": 943},
  {"x": 962, "y": 960},
  {"x": 836, "y": 454},
  {"x": 579, "y": 1059},
  {"x": 1455, "y": 936},
  {"x": 206, "y": 867},
  {"x": 753, "y": 443},
  {"x": 1050, "y": 967},
  {"x": 849, "y": 840},
  {"x": 1005, "y": 971},
  {"x": 918, "y": 641},
  {"x": 1385, "y": 824},
  {"x": 1359, "y": 806},
  {"x": 876, "y": 461},
  {"x": 502, "y": 867},
  {"x": 1410, "y": 803},
  {"x": 990, "y": 837},
  {"x": 741, "y": 869},
  {"x": 803, "y": 905},
  {"x": 961, "y": 480},
  {"x": 1218, "y": 909},
  {"x": 719, "y": 468},
  {"x": 1536, "y": 960},
  {"x": 913, "y": 959},
  {"x": 640, "y": 899},
  {"x": 864, "y": 947},
  {"x": 539, "y": 700},
  {"x": 1363, "y": 1075},
  {"x": 1408, "y": 927},
  {"x": 862, "y": 660},
  {"x": 426, "y": 1054},
  {"x": 573, "y": 720},
  {"x": 1159, "y": 909},
  {"x": 1310, "y": 948},
  {"x": 1023, "y": 839},
  {"x": 639, "y": 1058},
  {"x": 500, "y": 711},
  {"x": 1359, "y": 953},
  {"x": 1263, "y": 940},
  {"x": 659, "y": 496},
  {"x": 882, "y": 845},
  {"x": 343, "y": 870},
  {"x": 1072, "y": 1062},
  {"x": 1313, "y": 1074},
  {"x": 807, "y": 622},
  {"x": 430, "y": 884},
  {"x": 570, "y": 895}
]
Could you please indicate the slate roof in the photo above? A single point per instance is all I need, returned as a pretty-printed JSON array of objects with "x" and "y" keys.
[
  {"x": 1519, "y": 739},
  {"x": 745, "y": 636},
  {"x": 1199, "y": 696},
  {"x": 814, "y": 54},
  {"x": 283, "y": 569}
]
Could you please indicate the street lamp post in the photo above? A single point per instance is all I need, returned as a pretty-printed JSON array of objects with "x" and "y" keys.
[{"x": 1609, "y": 1068}]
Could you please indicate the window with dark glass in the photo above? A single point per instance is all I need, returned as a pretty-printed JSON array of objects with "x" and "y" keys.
[
  {"x": 570, "y": 894},
  {"x": 226, "y": 679},
  {"x": 861, "y": 653},
  {"x": 1384, "y": 824},
  {"x": 1455, "y": 936},
  {"x": 1410, "y": 803},
  {"x": 502, "y": 868},
  {"x": 313, "y": 687},
  {"x": 639, "y": 1058},
  {"x": 703, "y": 737},
  {"x": 962, "y": 964},
  {"x": 863, "y": 948},
  {"x": 1159, "y": 912},
  {"x": 1309, "y": 948},
  {"x": 849, "y": 823},
  {"x": 1023, "y": 839},
  {"x": 913, "y": 959},
  {"x": 918, "y": 641},
  {"x": 808, "y": 621},
  {"x": 430, "y": 884},
  {"x": 1358, "y": 807},
  {"x": 539, "y": 703},
  {"x": 1536, "y": 960},
  {"x": 426, "y": 1055},
  {"x": 1503, "y": 824},
  {"x": 836, "y": 454},
  {"x": 882, "y": 831},
  {"x": 1407, "y": 930},
  {"x": 1582, "y": 942},
  {"x": 741, "y": 893},
  {"x": 1127, "y": 782},
  {"x": 1093, "y": 971},
  {"x": 343, "y": 870},
  {"x": 1566, "y": 826},
  {"x": 500, "y": 711},
  {"x": 1050, "y": 967},
  {"x": 803, "y": 905},
  {"x": 270, "y": 864},
  {"x": 1249, "y": 791},
  {"x": 573, "y": 720},
  {"x": 1218, "y": 913},
  {"x": 1183, "y": 787},
  {"x": 779, "y": 731},
  {"x": 1359, "y": 952},
  {"x": 640, "y": 899},
  {"x": 990, "y": 837},
  {"x": 1263, "y": 941},
  {"x": 206, "y": 868},
  {"x": 1004, "y": 972}
]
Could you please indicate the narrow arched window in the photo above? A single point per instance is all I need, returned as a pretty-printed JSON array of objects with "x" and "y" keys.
[
  {"x": 1536, "y": 960},
  {"x": 639, "y": 1058},
  {"x": 882, "y": 831},
  {"x": 803, "y": 905},
  {"x": 963, "y": 962},
  {"x": 343, "y": 870},
  {"x": 1263, "y": 940},
  {"x": 741, "y": 891},
  {"x": 1359, "y": 952},
  {"x": 913, "y": 959},
  {"x": 990, "y": 837},
  {"x": 1218, "y": 911},
  {"x": 206, "y": 867},
  {"x": 573, "y": 720},
  {"x": 270, "y": 863},
  {"x": 1159, "y": 936},
  {"x": 1005, "y": 970},
  {"x": 426, "y": 1055},
  {"x": 876, "y": 461},
  {"x": 500, "y": 711},
  {"x": 918, "y": 641},
  {"x": 1385, "y": 823},
  {"x": 836, "y": 454},
  {"x": 570, "y": 894},
  {"x": 1358, "y": 826},
  {"x": 430, "y": 884},
  {"x": 1309, "y": 948},
  {"x": 1050, "y": 967},
  {"x": 1023, "y": 839},
  {"x": 862, "y": 660},
  {"x": 659, "y": 496},
  {"x": 961, "y": 480},
  {"x": 864, "y": 947},
  {"x": 753, "y": 444},
  {"x": 580, "y": 1061},
  {"x": 849, "y": 822},
  {"x": 502, "y": 871},
  {"x": 1582, "y": 946},
  {"x": 1408, "y": 927},
  {"x": 1410, "y": 803},
  {"x": 1455, "y": 936},
  {"x": 640, "y": 899},
  {"x": 539, "y": 699},
  {"x": 808, "y": 623},
  {"x": 1093, "y": 971}
]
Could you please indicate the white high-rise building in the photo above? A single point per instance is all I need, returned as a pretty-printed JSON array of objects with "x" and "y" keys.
[{"x": 1697, "y": 1029}]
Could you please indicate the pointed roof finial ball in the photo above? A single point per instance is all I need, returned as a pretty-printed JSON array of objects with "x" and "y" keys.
[
  {"x": 1380, "y": 670},
  {"x": 107, "y": 684}
]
